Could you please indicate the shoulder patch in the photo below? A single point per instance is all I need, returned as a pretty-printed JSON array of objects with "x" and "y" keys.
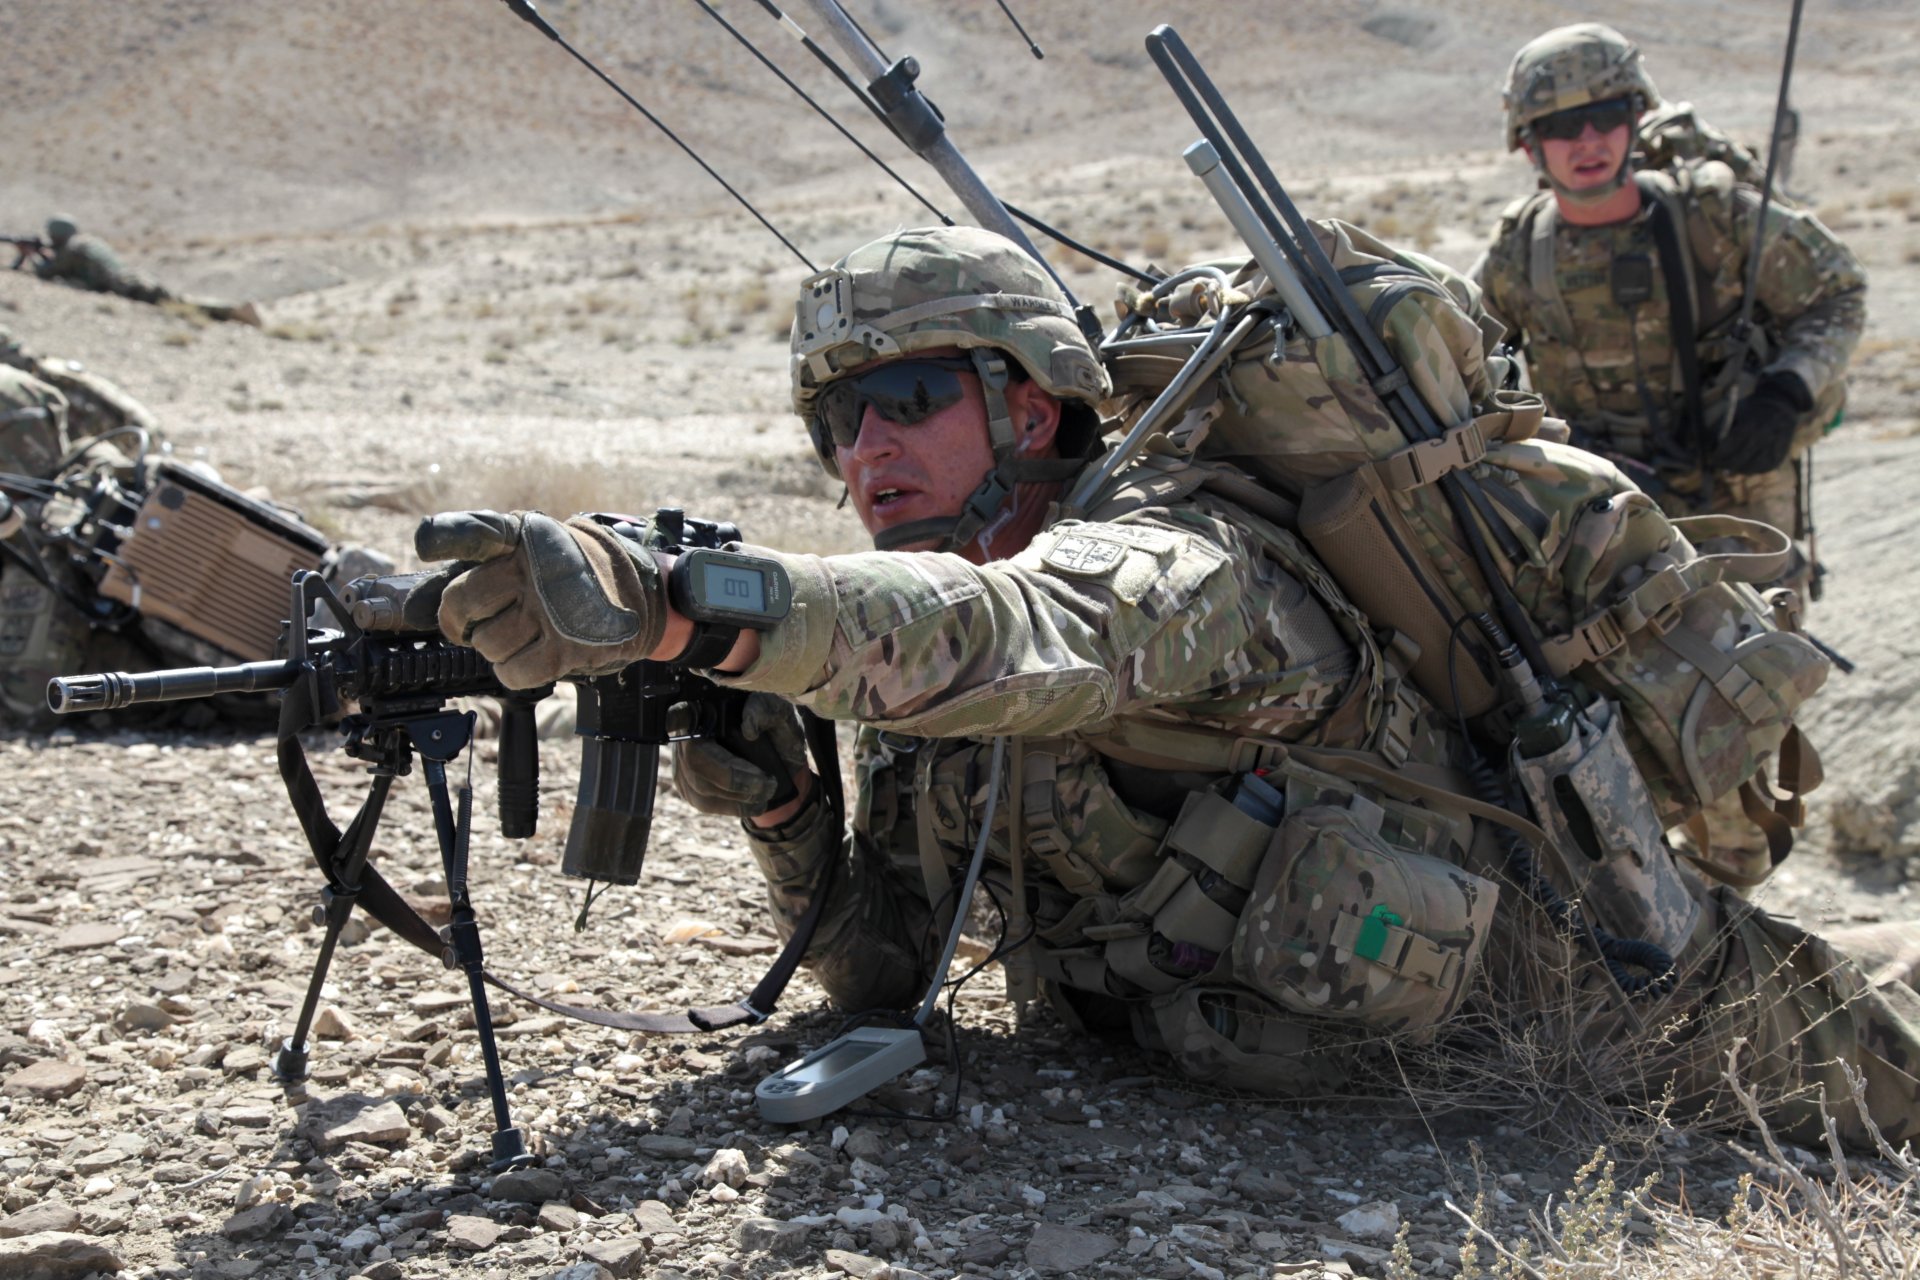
[{"x": 1084, "y": 555}]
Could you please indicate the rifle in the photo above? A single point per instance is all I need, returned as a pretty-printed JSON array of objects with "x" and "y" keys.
[
  {"x": 27, "y": 247},
  {"x": 374, "y": 653}
]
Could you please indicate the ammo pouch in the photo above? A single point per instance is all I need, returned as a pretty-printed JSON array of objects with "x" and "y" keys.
[
  {"x": 1607, "y": 835},
  {"x": 1345, "y": 910}
]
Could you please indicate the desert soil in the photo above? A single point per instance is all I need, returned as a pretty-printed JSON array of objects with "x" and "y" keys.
[{"x": 487, "y": 282}]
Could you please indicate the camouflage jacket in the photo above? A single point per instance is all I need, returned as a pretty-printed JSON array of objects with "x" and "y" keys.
[
  {"x": 91, "y": 263},
  {"x": 1591, "y": 357},
  {"x": 1169, "y": 617}
]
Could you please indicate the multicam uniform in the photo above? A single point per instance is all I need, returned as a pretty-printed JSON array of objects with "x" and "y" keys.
[
  {"x": 1600, "y": 364},
  {"x": 89, "y": 262},
  {"x": 1612, "y": 371},
  {"x": 1140, "y": 659},
  {"x": 1103, "y": 637}
]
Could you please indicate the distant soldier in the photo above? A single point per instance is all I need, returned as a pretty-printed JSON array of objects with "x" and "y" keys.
[
  {"x": 1623, "y": 290},
  {"x": 88, "y": 262},
  {"x": 1585, "y": 274}
]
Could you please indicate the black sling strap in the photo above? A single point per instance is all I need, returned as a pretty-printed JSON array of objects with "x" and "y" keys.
[{"x": 1676, "y": 272}]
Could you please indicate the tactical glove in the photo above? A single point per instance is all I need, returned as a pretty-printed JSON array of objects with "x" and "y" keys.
[
  {"x": 542, "y": 599},
  {"x": 1761, "y": 434},
  {"x": 728, "y": 773}
]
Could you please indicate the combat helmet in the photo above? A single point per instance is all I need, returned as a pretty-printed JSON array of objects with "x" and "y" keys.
[
  {"x": 1571, "y": 67},
  {"x": 61, "y": 228},
  {"x": 936, "y": 287}
]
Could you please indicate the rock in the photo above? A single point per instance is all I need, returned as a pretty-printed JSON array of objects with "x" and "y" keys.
[
  {"x": 529, "y": 1186},
  {"x": 580, "y": 1271},
  {"x": 332, "y": 1123},
  {"x": 331, "y": 1024},
  {"x": 867, "y": 1143},
  {"x": 257, "y": 1223},
  {"x": 1340, "y": 1250},
  {"x": 97, "y": 1162},
  {"x": 857, "y": 1265},
  {"x": 728, "y": 1165},
  {"x": 654, "y": 1217},
  {"x": 884, "y": 1235},
  {"x": 470, "y": 1234},
  {"x": 55, "y": 1255},
  {"x": 555, "y": 1216},
  {"x": 666, "y": 1146},
  {"x": 1374, "y": 1220},
  {"x": 48, "y": 1215},
  {"x": 385, "y": 1269},
  {"x": 141, "y": 1016},
  {"x": 48, "y": 1080},
  {"x": 620, "y": 1256},
  {"x": 88, "y": 937},
  {"x": 360, "y": 1240},
  {"x": 983, "y": 1250},
  {"x": 770, "y": 1235},
  {"x": 252, "y": 1116},
  {"x": 435, "y": 1119},
  {"x": 1054, "y": 1249},
  {"x": 243, "y": 1060}
]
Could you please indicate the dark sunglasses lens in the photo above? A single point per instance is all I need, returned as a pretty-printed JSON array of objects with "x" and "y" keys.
[
  {"x": 907, "y": 393},
  {"x": 1565, "y": 126}
]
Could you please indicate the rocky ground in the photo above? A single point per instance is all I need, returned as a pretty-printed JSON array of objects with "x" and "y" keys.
[{"x": 484, "y": 285}]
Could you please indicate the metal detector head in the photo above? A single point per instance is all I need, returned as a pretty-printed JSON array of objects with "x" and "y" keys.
[{"x": 839, "y": 1073}]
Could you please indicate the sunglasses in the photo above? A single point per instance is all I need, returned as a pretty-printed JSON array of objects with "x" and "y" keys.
[
  {"x": 1565, "y": 126},
  {"x": 907, "y": 392}
]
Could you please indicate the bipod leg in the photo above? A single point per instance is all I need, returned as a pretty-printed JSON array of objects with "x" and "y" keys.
[
  {"x": 439, "y": 739},
  {"x": 336, "y": 904}
]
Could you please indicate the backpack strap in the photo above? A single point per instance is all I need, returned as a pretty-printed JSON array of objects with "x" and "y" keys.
[
  {"x": 1541, "y": 217},
  {"x": 1666, "y": 222}
]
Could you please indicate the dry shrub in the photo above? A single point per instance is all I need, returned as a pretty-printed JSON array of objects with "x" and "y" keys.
[
  {"x": 560, "y": 488},
  {"x": 1864, "y": 1220}
]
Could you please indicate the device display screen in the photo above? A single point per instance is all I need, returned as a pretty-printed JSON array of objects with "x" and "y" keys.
[{"x": 727, "y": 586}]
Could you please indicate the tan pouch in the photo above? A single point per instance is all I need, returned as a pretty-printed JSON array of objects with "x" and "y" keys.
[{"x": 1343, "y": 925}]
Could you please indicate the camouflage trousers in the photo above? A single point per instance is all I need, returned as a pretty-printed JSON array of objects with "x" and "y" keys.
[{"x": 1790, "y": 1013}]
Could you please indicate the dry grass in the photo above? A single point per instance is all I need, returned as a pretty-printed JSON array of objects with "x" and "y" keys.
[{"x": 1863, "y": 1220}]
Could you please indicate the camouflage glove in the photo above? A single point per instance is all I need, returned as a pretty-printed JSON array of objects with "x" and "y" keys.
[
  {"x": 727, "y": 773},
  {"x": 1761, "y": 435},
  {"x": 541, "y": 599}
]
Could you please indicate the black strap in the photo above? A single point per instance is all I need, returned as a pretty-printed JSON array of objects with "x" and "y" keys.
[
  {"x": 1683, "y": 331},
  {"x": 333, "y": 850}
]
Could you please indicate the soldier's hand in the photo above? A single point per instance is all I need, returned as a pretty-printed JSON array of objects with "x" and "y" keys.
[
  {"x": 1761, "y": 435},
  {"x": 716, "y": 775},
  {"x": 541, "y": 598}
]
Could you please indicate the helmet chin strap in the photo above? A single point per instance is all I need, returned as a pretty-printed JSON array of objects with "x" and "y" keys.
[
  {"x": 1586, "y": 196},
  {"x": 984, "y": 503}
]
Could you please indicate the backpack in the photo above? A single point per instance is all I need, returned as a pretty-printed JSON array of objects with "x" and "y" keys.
[
  {"x": 1706, "y": 678},
  {"x": 1673, "y": 134}
]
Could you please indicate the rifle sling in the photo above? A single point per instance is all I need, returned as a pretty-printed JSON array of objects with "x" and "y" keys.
[
  {"x": 1676, "y": 272},
  {"x": 336, "y": 853}
]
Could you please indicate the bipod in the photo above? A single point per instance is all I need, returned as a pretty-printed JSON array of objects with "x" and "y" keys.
[{"x": 389, "y": 741}]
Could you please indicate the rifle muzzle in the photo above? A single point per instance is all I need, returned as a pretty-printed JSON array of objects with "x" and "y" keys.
[{"x": 112, "y": 690}]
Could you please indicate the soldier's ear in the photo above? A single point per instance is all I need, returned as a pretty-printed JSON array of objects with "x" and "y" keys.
[{"x": 1038, "y": 414}]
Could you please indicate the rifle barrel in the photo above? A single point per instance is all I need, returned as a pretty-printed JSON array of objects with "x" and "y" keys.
[{"x": 111, "y": 690}]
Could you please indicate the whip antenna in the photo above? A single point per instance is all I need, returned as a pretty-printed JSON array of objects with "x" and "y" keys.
[
  {"x": 823, "y": 113},
  {"x": 1032, "y": 48},
  {"x": 524, "y": 10},
  {"x": 859, "y": 91}
]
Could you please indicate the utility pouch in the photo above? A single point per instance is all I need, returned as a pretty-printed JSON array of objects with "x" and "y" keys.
[
  {"x": 1590, "y": 797},
  {"x": 1344, "y": 925}
]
